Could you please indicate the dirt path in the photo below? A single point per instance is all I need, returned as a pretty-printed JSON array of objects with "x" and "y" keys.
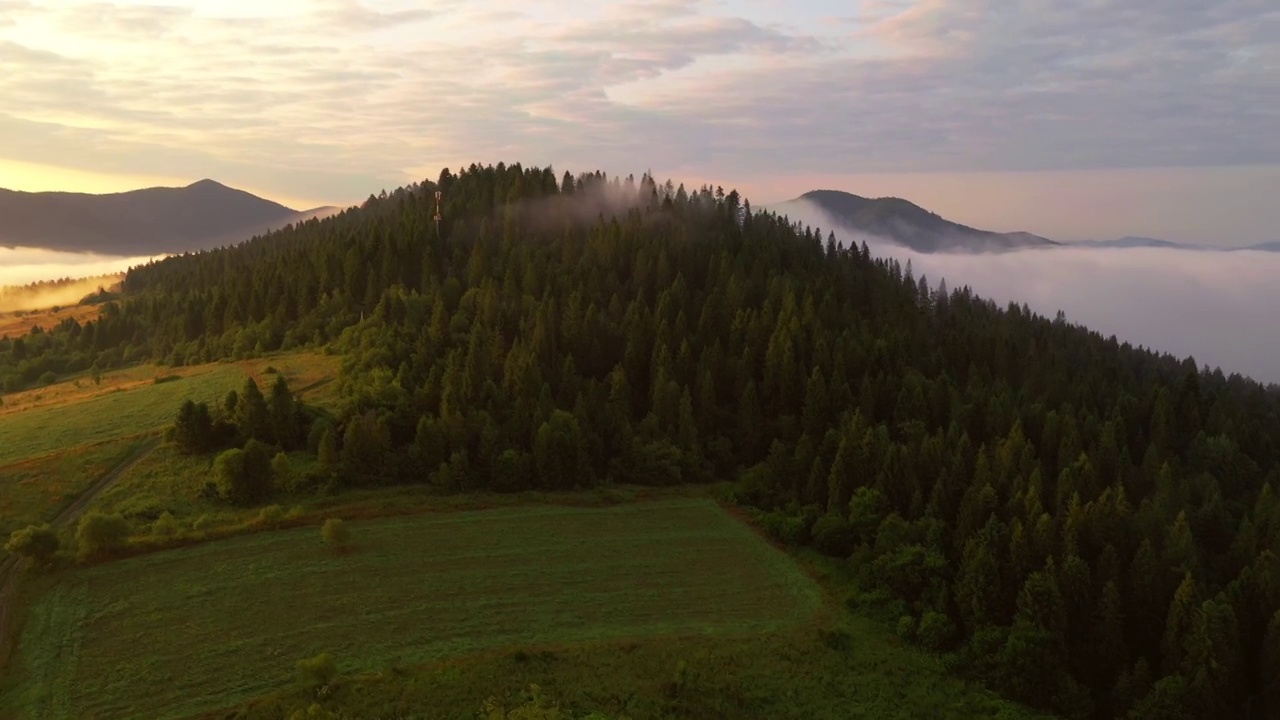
[{"x": 11, "y": 568}]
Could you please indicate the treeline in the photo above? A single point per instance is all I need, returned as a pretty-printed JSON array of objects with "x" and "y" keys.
[
  {"x": 253, "y": 434},
  {"x": 1087, "y": 526}
]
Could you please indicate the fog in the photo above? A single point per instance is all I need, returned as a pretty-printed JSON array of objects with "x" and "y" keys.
[
  {"x": 1222, "y": 308},
  {"x": 24, "y": 266}
]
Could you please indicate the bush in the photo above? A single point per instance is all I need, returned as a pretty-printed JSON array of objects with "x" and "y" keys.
[
  {"x": 270, "y": 516},
  {"x": 936, "y": 631},
  {"x": 832, "y": 536},
  {"x": 101, "y": 535},
  {"x": 282, "y": 471},
  {"x": 48, "y": 378},
  {"x": 165, "y": 525},
  {"x": 785, "y": 527},
  {"x": 907, "y": 627},
  {"x": 318, "y": 671},
  {"x": 336, "y": 534},
  {"x": 38, "y": 542},
  {"x": 243, "y": 477}
]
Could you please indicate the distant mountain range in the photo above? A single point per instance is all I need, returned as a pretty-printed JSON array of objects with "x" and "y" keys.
[
  {"x": 1139, "y": 242},
  {"x": 153, "y": 221},
  {"x": 1265, "y": 247},
  {"x": 1145, "y": 242},
  {"x": 906, "y": 223}
]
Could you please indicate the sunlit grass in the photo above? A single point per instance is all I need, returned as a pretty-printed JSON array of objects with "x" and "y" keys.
[{"x": 34, "y": 491}]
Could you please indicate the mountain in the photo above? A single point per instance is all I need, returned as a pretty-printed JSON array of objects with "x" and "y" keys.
[
  {"x": 1265, "y": 247},
  {"x": 152, "y": 221},
  {"x": 906, "y": 223},
  {"x": 1133, "y": 241}
]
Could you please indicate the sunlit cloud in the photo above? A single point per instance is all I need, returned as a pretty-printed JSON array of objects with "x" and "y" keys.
[
  {"x": 22, "y": 266},
  {"x": 329, "y": 100}
]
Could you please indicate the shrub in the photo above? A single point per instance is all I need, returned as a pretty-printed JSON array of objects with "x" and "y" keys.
[
  {"x": 165, "y": 525},
  {"x": 785, "y": 527},
  {"x": 336, "y": 534},
  {"x": 936, "y": 631},
  {"x": 202, "y": 523},
  {"x": 100, "y": 534},
  {"x": 270, "y": 516},
  {"x": 282, "y": 471},
  {"x": 38, "y": 542},
  {"x": 243, "y": 477},
  {"x": 832, "y": 536},
  {"x": 318, "y": 671},
  {"x": 48, "y": 378},
  {"x": 907, "y": 627}
]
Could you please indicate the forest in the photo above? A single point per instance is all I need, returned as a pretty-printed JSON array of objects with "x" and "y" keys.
[{"x": 1085, "y": 526}]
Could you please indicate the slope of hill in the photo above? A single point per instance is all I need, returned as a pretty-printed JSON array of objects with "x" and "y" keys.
[
  {"x": 906, "y": 223},
  {"x": 1084, "y": 526},
  {"x": 152, "y": 221}
]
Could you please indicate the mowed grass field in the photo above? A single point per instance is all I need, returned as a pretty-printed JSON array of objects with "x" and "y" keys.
[
  {"x": 186, "y": 631},
  {"x": 130, "y": 401},
  {"x": 17, "y": 324},
  {"x": 143, "y": 407},
  {"x": 33, "y": 491}
]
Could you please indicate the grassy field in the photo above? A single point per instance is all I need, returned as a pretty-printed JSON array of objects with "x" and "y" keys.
[
  {"x": 130, "y": 401},
  {"x": 164, "y": 480},
  {"x": 17, "y": 324},
  {"x": 854, "y": 670},
  {"x": 78, "y": 389},
  {"x": 179, "y": 632},
  {"x": 33, "y": 491},
  {"x": 144, "y": 407}
]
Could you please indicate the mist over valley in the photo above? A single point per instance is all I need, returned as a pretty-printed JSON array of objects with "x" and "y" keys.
[{"x": 1217, "y": 306}]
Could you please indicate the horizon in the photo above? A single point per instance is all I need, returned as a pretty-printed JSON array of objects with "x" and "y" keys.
[
  {"x": 305, "y": 206},
  {"x": 991, "y": 117}
]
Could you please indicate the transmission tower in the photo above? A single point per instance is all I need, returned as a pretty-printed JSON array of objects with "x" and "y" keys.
[{"x": 438, "y": 193}]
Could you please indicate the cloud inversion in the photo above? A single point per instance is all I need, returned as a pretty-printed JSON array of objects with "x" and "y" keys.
[{"x": 1218, "y": 307}]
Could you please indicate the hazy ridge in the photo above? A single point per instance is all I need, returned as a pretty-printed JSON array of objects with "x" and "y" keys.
[{"x": 151, "y": 221}]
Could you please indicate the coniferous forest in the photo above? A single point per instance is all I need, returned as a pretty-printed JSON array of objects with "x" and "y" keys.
[{"x": 1085, "y": 526}]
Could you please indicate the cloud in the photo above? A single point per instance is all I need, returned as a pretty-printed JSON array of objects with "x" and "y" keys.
[
  {"x": 21, "y": 266},
  {"x": 1217, "y": 307},
  {"x": 344, "y": 97}
]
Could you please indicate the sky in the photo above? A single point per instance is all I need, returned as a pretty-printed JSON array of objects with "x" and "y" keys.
[{"x": 1085, "y": 119}]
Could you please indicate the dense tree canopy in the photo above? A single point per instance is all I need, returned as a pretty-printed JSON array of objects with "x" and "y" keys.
[{"x": 1091, "y": 527}]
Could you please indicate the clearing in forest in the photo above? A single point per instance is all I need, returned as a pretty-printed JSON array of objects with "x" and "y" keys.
[{"x": 185, "y": 631}]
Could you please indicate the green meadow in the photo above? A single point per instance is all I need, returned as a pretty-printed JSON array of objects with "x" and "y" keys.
[{"x": 175, "y": 633}]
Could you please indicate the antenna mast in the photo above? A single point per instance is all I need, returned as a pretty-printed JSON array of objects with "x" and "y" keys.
[{"x": 438, "y": 213}]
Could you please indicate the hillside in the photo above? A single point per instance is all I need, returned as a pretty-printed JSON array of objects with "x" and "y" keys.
[
  {"x": 1082, "y": 526},
  {"x": 153, "y": 221},
  {"x": 905, "y": 223}
]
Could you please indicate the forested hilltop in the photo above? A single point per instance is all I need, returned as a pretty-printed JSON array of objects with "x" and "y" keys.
[{"x": 1088, "y": 527}]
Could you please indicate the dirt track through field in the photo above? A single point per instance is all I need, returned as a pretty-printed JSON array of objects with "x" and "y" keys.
[{"x": 11, "y": 568}]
